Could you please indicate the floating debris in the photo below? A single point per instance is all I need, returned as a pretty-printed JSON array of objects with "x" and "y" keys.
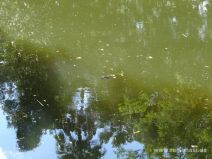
[
  {"x": 121, "y": 73},
  {"x": 194, "y": 146},
  {"x": 25, "y": 116},
  {"x": 136, "y": 132},
  {"x": 78, "y": 58},
  {"x": 108, "y": 76},
  {"x": 19, "y": 139},
  {"x": 174, "y": 20},
  {"x": 185, "y": 35},
  {"x": 57, "y": 3},
  {"x": 12, "y": 43},
  {"x": 139, "y": 26},
  {"x": 2, "y": 62},
  {"x": 40, "y": 103},
  {"x": 149, "y": 57}
]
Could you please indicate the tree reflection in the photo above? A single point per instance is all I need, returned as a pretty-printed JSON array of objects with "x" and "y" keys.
[
  {"x": 41, "y": 100},
  {"x": 75, "y": 136},
  {"x": 178, "y": 119}
]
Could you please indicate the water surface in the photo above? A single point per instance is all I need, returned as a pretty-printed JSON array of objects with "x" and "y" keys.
[{"x": 105, "y": 79}]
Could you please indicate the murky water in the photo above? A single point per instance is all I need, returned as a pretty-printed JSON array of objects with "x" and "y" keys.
[{"x": 105, "y": 79}]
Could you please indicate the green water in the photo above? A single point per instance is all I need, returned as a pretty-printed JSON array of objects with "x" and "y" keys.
[{"x": 105, "y": 79}]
